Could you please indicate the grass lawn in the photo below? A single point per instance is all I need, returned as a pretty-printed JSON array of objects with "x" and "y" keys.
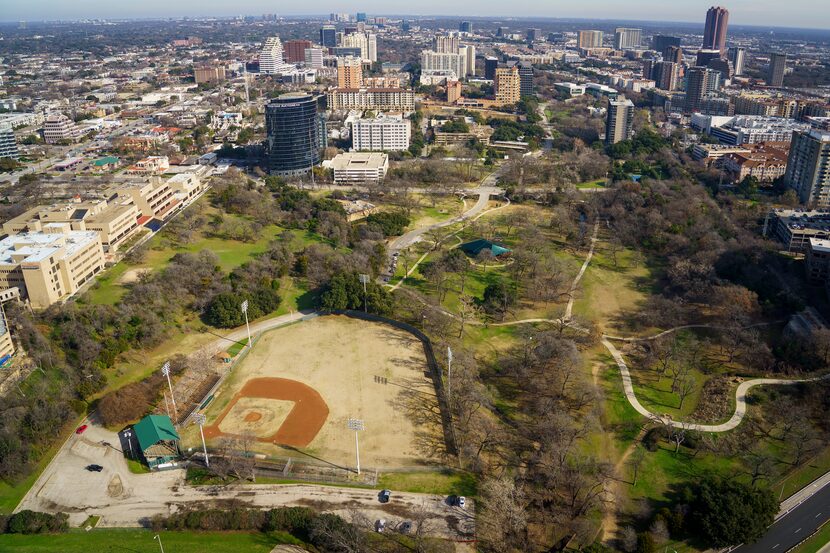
[
  {"x": 591, "y": 184},
  {"x": 439, "y": 482},
  {"x": 137, "y": 467},
  {"x": 237, "y": 347},
  {"x": 803, "y": 475},
  {"x": 107, "y": 540}
]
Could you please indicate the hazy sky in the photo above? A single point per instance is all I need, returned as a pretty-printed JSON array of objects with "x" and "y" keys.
[{"x": 781, "y": 13}]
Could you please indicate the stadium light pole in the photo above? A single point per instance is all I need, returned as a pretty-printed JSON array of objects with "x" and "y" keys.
[
  {"x": 200, "y": 419},
  {"x": 364, "y": 279},
  {"x": 244, "y": 307},
  {"x": 165, "y": 370},
  {"x": 356, "y": 425},
  {"x": 158, "y": 537}
]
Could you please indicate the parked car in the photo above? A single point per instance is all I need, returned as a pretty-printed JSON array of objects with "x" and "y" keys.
[
  {"x": 81, "y": 429},
  {"x": 94, "y": 468},
  {"x": 384, "y": 496},
  {"x": 462, "y": 501},
  {"x": 380, "y": 525},
  {"x": 405, "y": 527}
]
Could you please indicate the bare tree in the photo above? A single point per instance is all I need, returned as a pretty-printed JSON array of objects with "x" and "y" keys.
[
  {"x": 635, "y": 461},
  {"x": 685, "y": 385}
]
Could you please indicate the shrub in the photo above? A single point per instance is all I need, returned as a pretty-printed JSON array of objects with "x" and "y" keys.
[{"x": 32, "y": 522}]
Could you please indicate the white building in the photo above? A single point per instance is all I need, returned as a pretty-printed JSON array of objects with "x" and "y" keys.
[
  {"x": 358, "y": 167},
  {"x": 432, "y": 61},
  {"x": 8, "y": 143},
  {"x": 367, "y": 42},
  {"x": 752, "y": 129},
  {"x": 271, "y": 60},
  {"x": 58, "y": 127},
  {"x": 382, "y": 134},
  {"x": 314, "y": 58}
]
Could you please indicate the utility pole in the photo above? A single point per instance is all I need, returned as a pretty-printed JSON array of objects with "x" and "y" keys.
[
  {"x": 165, "y": 370},
  {"x": 245, "y": 311},
  {"x": 200, "y": 418},
  {"x": 357, "y": 426},
  {"x": 364, "y": 279}
]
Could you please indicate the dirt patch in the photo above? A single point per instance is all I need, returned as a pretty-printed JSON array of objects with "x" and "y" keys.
[
  {"x": 115, "y": 487},
  {"x": 133, "y": 275},
  {"x": 298, "y": 428}
]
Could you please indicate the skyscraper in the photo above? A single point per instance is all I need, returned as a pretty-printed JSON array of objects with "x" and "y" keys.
[
  {"x": 534, "y": 34},
  {"x": 777, "y": 68},
  {"x": 619, "y": 124},
  {"x": 660, "y": 42},
  {"x": 349, "y": 72},
  {"x": 271, "y": 60},
  {"x": 328, "y": 36},
  {"x": 627, "y": 39},
  {"x": 295, "y": 50},
  {"x": 665, "y": 75},
  {"x": 673, "y": 54},
  {"x": 295, "y": 134},
  {"x": 590, "y": 39},
  {"x": 526, "y": 78},
  {"x": 705, "y": 56},
  {"x": 446, "y": 44},
  {"x": 490, "y": 65},
  {"x": 700, "y": 81},
  {"x": 737, "y": 56},
  {"x": 466, "y": 27},
  {"x": 714, "y": 35},
  {"x": 808, "y": 168},
  {"x": 508, "y": 85},
  {"x": 361, "y": 16}
]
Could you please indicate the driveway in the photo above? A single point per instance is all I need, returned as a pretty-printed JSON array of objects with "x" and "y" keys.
[{"x": 124, "y": 499}]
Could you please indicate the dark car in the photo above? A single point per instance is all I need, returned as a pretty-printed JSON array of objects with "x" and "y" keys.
[
  {"x": 405, "y": 527},
  {"x": 94, "y": 468},
  {"x": 384, "y": 496}
]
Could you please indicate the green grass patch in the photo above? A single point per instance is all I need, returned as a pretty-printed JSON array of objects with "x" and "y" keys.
[
  {"x": 141, "y": 541},
  {"x": 591, "y": 184},
  {"x": 803, "y": 475},
  {"x": 90, "y": 521},
  {"x": 237, "y": 347},
  {"x": 445, "y": 482},
  {"x": 816, "y": 542},
  {"x": 137, "y": 467}
]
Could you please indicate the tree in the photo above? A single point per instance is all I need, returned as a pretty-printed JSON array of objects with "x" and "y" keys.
[
  {"x": 730, "y": 512},
  {"x": 684, "y": 386},
  {"x": 635, "y": 462},
  {"x": 499, "y": 297}
]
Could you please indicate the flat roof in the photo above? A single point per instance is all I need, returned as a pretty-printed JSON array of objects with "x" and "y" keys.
[
  {"x": 37, "y": 246},
  {"x": 359, "y": 160}
]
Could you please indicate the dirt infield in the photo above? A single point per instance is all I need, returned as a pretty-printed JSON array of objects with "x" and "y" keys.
[
  {"x": 297, "y": 428},
  {"x": 358, "y": 369}
]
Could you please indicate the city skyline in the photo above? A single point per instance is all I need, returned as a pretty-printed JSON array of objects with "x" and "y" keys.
[{"x": 795, "y": 14}]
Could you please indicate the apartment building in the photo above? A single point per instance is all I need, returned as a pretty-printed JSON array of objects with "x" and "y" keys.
[
  {"x": 589, "y": 39},
  {"x": 359, "y": 167},
  {"x": 376, "y": 99},
  {"x": 508, "y": 85},
  {"x": 619, "y": 123},
  {"x": 454, "y": 90},
  {"x": 209, "y": 74},
  {"x": 59, "y": 128},
  {"x": 382, "y": 134},
  {"x": 51, "y": 265},
  {"x": 349, "y": 72},
  {"x": 808, "y": 168}
]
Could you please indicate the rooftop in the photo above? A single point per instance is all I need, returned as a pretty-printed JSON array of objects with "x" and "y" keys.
[
  {"x": 34, "y": 247},
  {"x": 359, "y": 160}
]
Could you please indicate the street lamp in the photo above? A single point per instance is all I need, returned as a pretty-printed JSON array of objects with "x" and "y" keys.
[
  {"x": 158, "y": 537},
  {"x": 356, "y": 425},
  {"x": 165, "y": 370},
  {"x": 364, "y": 279},
  {"x": 200, "y": 418},
  {"x": 129, "y": 435},
  {"x": 449, "y": 373},
  {"x": 244, "y": 307}
]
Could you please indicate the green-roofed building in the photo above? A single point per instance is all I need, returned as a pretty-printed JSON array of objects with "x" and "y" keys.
[
  {"x": 108, "y": 162},
  {"x": 475, "y": 247},
  {"x": 157, "y": 439}
]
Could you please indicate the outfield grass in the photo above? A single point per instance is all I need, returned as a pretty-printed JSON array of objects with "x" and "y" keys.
[{"x": 101, "y": 540}]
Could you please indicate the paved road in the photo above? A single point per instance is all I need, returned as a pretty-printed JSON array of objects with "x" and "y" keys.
[
  {"x": 793, "y": 528},
  {"x": 124, "y": 499}
]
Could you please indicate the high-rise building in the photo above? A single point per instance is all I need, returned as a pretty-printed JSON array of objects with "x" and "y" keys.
[
  {"x": 714, "y": 34},
  {"x": 737, "y": 56},
  {"x": 296, "y": 135},
  {"x": 361, "y": 17},
  {"x": 808, "y": 168},
  {"x": 395, "y": 100},
  {"x": 648, "y": 69},
  {"x": 665, "y": 75},
  {"x": 501, "y": 32},
  {"x": 405, "y": 26},
  {"x": 446, "y": 44},
  {"x": 349, "y": 72},
  {"x": 659, "y": 43},
  {"x": 295, "y": 50},
  {"x": 705, "y": 56},
  {"x": 700, "y": 82},
  {"x": 466, "y": 27},
  {"x": 208, "y": 74},
  {"x": 314, "y": 58},
  {"x": 627, "y": 39},
  {"x": 508, "y": 85},
  {"x": 271, "y": 59},
  {"x": 673, "y": 54},
  {"x": 490, "y": 65},
  {"x": 367, "y": 42},
  {"x": 619, "y": 124},
  {"x": 432, "y": 61},
  {"x": 470, "y": 52},
  {"x": 328, "y": 36},
  {"x": 8, "y": 144},
  {"x": 534, "y": 34},
  {"x": 526, "y": 78},
  {"x": 454, "y": 91},
  {"x": 777, "y": 69},
  {"x": 589, "y": 39}
]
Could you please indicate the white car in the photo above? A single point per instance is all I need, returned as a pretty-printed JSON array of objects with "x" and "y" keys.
[
  {"x": 380, "y": 525},
  {"x": 462, "y": 501}
]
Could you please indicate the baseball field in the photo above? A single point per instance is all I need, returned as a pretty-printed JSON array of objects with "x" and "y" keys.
[{"x": 297, "y": 388}]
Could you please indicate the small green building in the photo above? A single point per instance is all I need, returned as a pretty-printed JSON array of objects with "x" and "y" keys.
[
  {"x": 157, "y": 439},
  {"x": 477, "y": 246}
]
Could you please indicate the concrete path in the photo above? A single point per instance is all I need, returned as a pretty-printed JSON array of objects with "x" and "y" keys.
[{"x": 572, "y": 291}]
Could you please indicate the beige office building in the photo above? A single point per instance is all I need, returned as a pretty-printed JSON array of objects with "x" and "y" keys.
[
  {"x": 508, "y": 85},
  {"x": 396, "y": 100},
  {"x": 51, "y": 265},
  {"x": 113, "y": 221},
  {"x": 154, "y": 197},
  {"x": 349, "y": 72},
  {"x": 589, "y": 39},
  {"x": 359, "y": 167}
]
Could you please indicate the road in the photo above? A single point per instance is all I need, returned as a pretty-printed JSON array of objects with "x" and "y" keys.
[
  {"x": 791, "y": 529},
  {"x": 124, "y": 499}
]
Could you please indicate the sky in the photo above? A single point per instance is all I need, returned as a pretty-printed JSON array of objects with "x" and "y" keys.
[{"x": 777, "y": 13}]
